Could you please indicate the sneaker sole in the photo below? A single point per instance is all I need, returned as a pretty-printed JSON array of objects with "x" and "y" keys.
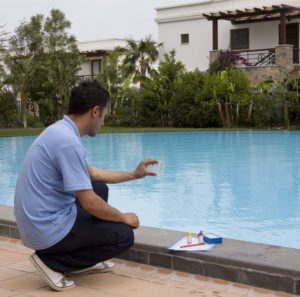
[
  {"x": 46, "y": 278},
  {"x": 92, "y": 271}
]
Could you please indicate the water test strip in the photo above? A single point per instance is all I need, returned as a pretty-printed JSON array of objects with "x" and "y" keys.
[{"x": 158, "y": 168}]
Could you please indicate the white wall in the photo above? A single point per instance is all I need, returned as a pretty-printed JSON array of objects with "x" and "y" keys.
[
  {"x": 196, "y": 53},
  {"x": 170, "y": 35}
]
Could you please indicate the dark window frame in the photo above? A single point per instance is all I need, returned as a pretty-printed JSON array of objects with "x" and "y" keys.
[
  {"x": 231, "y": 39},
  {"x": 99, "y": 65},
  {"x": 185, "y": 35}
]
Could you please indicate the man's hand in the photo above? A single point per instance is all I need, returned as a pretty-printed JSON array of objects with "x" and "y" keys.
[
  {"x": 142, "y": 171},
  {"x": 131, "y": 219}
]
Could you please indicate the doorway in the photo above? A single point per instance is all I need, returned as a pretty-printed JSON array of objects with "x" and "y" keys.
[{"x": 292, "y": 37}]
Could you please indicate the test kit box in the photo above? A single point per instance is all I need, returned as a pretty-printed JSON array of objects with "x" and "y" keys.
[{"x": 212, "y": 238}]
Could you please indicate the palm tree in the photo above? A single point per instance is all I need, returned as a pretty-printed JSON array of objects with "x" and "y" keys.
[
  {"x": 3, "y": 40},
  {"x": 140, "y": 56},
  {"x": 64, "y": 78},
  {"x": 21, "y": 72}
]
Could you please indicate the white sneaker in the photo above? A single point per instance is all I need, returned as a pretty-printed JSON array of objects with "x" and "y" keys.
[
  {"x": 104, "y": 266},
  {"x": 56, "y": 280}
]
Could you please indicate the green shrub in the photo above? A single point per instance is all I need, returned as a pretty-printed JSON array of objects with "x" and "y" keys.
[
  {"x": 34, "y": 121},
  {"x": 9, "y": 110}
]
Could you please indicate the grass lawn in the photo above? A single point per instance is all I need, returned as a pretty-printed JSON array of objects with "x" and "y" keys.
[{"x": 13, "y": 132}]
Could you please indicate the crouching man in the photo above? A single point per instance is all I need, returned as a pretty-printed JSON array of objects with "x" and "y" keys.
[{"x": 61, "y": 200}]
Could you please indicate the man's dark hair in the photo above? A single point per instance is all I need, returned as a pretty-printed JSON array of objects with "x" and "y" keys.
[{"x": 86, "y": 95}]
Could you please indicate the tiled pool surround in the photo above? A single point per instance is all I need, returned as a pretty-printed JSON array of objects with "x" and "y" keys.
[{"x": 265, "y": 266}]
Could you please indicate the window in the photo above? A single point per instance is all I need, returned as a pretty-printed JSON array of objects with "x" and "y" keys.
[
  {"x": 239, "y": 39},
  {"x": 185, "y": 38},
  {"x": 96, "y": 68}
]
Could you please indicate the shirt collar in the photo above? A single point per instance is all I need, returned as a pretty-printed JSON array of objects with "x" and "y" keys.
[{"x": 72, "y": 124}]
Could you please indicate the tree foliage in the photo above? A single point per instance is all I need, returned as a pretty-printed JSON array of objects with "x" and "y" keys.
[
  {"x": 54, "y": 58},
  {"x": 139, "y": 56}
]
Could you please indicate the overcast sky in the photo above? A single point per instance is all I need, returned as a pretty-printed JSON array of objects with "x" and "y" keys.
[{"x": 92, "y": 19}]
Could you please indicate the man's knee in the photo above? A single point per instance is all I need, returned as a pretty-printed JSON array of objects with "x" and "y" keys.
[
  {"x": 101, "y": 189},
  {"x": 126, "y": 239}
]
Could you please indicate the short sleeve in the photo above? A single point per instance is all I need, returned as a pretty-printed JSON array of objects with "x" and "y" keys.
[{"x": 72, "y": 165}]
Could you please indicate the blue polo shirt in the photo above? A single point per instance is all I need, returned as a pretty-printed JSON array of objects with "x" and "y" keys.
[{"x": 54, "y": 167}]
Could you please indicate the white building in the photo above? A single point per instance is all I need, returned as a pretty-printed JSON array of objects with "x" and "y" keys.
[
  {"x": 186, "y": 28},
  {"x": 96, "y": 51}
]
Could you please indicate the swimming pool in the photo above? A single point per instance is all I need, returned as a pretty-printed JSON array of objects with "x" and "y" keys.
[{"x": 241, "y": 185}]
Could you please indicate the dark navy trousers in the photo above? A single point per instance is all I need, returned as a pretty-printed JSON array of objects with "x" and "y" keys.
[{"x": 90, "y": 240}]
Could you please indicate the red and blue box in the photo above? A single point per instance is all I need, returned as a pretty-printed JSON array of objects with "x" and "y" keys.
[{"x": 212, "y": 238}]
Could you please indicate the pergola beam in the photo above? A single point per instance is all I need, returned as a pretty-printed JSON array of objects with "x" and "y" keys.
[
  {"x": 253, "y": 13},
  {"x": 265, "y": 19}
]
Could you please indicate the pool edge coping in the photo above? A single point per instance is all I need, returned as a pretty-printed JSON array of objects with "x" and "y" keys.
[{"x": 266, "y": 266}]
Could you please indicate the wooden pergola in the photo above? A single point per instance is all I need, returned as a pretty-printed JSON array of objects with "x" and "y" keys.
[
  {"x": 275, "y": 12},
  {"x": 94, "y": 53}
]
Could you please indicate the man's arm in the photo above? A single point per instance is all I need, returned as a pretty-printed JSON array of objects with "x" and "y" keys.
[
  {"x": 112, "y": 177},
  {"x": 97, "y": 207}
]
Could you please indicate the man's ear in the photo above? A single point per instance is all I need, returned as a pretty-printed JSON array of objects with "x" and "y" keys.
[{"x": 95, "y": 111}]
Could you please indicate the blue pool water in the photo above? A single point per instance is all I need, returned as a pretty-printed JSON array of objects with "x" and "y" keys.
[{"x": 241, "y": 185}]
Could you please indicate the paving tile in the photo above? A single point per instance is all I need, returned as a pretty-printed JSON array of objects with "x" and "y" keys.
[
  {"x": 178, "y": 292},
  {"x": 257, "y": 292},
  {"x": 202, "y": 278},
  {"x": 196, "y": 283},
  {"x": 147, "y": 268},
  {"x": 231, "y": 294},
  {"x": 235, "y": 291},
  {"x": 221, "y": 282},
  {"x": 132, "y": 264},
  {"x": 48, "y": 292},
  {"x": 139, "y": 273},
  {"x": 11, "y": 257},
  {"x": 4, "y": 238},
  {"x": 24, "y": 266},
  {"x": 176, "y": 279},
  {"x": 164, "y": 271},
  {"x": 137, "y": 288},
  {"x": 239, "y": 289},
  {"x": 6, "y": 293},
  {"x": 118, "y": 261},
  {"x": 14, "y": 240},
  {"x": 120, "y": 285},
  {"x": 23, "y": 283},
  {"x": 103, "y": 294},
  {"x": 100, "y": 281},
  {"x": 212, "y": 291},
  {"x": 216, "y": 286},
  {"x": 7, "y": 273},
  {"x": 128, "y": 266},
  {"x": 240, "y": 286},
  {"x": 282, "y": 294},
  {"x": 120, "y": 270},
  {"x": 192, "y": 287},
  {"x": 16, "y": 248}
]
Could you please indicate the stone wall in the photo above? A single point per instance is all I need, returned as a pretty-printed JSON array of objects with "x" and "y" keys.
[{"x": 258, "y": 74}]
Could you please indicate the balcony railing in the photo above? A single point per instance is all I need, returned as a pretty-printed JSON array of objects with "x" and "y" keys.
[
  {"x": 86, "y": 77},
  {"x": 259, "y": 57}
]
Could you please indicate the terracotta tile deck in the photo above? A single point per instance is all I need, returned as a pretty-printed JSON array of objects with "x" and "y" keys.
[{"x": 18, "y": 278}]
